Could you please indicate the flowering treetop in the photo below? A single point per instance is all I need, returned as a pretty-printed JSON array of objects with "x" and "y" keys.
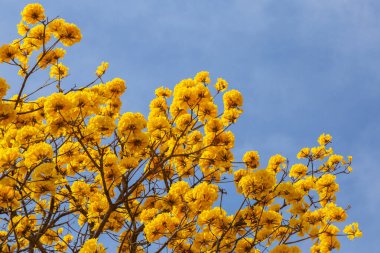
[{"x": 77, "y": 174}]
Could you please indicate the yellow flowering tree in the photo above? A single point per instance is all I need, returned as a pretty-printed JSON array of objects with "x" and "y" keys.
[{"x": 77, "y": 174}]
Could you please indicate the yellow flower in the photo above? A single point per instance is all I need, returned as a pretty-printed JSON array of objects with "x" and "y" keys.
[
  {"x": 29, "y": 134},
  {"x": 8, "y": 52},
  {"x": 49, "y": 237},
  {"x": 68, "y": 238},
  {"x": 328, "y": 238},
  {"x": 158, "y": 106},
  {"x": 3, "y": 87},
  {"x": 51, "y": 57},
  {"x": 203, "y": 77},
  {"x": 221, "y": 85},
  {"x": 33, "y": 13},
  {"x": 22, "y": 28},
  {"x": 298, "y": 170},
  {"x": 115, "y": 87},
  {"x": 271, "y": 219},
  {"x": 157, "y": 124},
  {"x": 57, "y": 105},
  {"x": 179, "y": 189},
  {"x": 327, "y": 182},
  {"x": 162, "y": 225},
  {"x": 69, "y": 34},
  {"x": 102, "y": 124},
  {"x": 251, "y": 159},
  {"x": 98, "y": 207},
  {"x": 326, "y": 188},
  {"x": 92, "y": 246},
  {"x": 232, "y": 99},
  {"x": 44, "y": 180},
  {"x": 37, "y": 37},
  {"x": 238, "y": 175},
  {"x": 7, "y": 114},
  {"x": 163, "y": 92},
  {"x": 257, "y": 184},
  {"x": 202, "y": 196},
  {"x": 128, "y": 163},
  {"x": 285, "y": 249},
  {"x": 213, "y": 126},
  {"x": 185, "y": 122},
  {"x": 304, "y": 153},
  {"x": 101, "y": 69},
  {"x": 335, "y": 213},
  {"x": 207, "y": 111},
  {"x": 352, "y": 231},
  {"x": 320, "y": 152},
  {"x": 276, "y": 163},
  {"x": 246, "y": 245},
  {"x": 80, "y": 190},
  {"x": 55, "y": 26},
  {"x": 58, "y": 71},
  {"x": 37, "y": 153},
  {"x": 203, "y": 242},
  {"x": 23, "y": 225},
  {"x": 8, "y": 157},
  {"x": 230, "y": 116},
  {"x": 9, "y": 197},
  {"x": 306, "y": 184},
  {"x": 60, "y": 247},
  {"x": 202, "y": 93},
  {"x": 324, "y": 139},
  {"x": 185, "y": 97}
]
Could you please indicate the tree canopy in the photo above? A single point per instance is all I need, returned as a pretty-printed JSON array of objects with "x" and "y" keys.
[{"x": 79, "y": 175}]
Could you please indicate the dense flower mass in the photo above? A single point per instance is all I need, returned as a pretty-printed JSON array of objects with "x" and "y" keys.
[{"x": 76, "y": 173}]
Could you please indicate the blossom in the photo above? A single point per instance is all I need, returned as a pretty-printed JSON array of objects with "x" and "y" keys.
[{"x": 33, "y": 13}]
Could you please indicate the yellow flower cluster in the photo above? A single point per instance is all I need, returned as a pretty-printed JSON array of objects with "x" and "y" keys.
[
  {"x": 352, "y": 231},
  {"x": 33, "y": 13},
  {"x": 102, "y": 69},
  {"x": 74, "y": 170},
  {"x": 37, "y": 33},
  {"x": 92, "y": 246}
]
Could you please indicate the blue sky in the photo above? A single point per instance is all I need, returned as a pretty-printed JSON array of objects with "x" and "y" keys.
[{"x": 304, "y": 67}]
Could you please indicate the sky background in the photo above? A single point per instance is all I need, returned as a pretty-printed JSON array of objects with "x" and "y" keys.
[{"x": 304, "y": 67}]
